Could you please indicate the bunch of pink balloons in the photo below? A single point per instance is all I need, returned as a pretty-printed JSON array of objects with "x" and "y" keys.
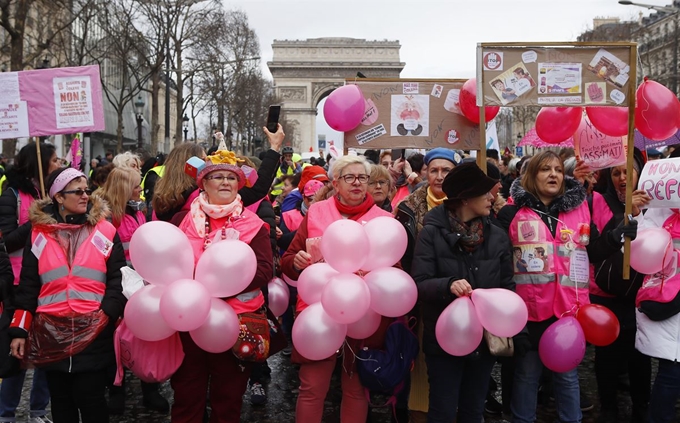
[
  {"x": 461, "y": 325},
  {"x": 179, "y": 298},
  {"x": 355, "y": 286}
]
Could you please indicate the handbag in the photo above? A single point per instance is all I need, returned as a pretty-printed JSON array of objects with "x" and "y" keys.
[
  {"x": 254, "y": 337},
  {"x": 499, "y": 346}
]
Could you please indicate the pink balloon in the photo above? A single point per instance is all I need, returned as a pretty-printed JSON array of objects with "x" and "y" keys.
[
  {"x": 393, "y": 291},
  {"x": 656, "y": 111},
  {"x": 185, "y": 305},
  {"x": 220, "y": 330},
  {"x": 651, "y": 250},
  {"x": 344, "y": 108},
  {"x": 458, "y": 330},
  {"x": 364, "y": 327},
  {"x": 557, "y": 124},
  {"x": 226, "y": 268},
  {"x": 143, "y": 316},
  {"x": 563, "y": 345},
  {"x": 344, "y": 245},
  {"x": 289, "y": 281},
  {"x": 316, "y": 335},
  {"x": 161, "y": 253},
  {"x": 500, "y": 311},
  {"x": 278, "y": 296},
  {"x": 387, "y": 242},
  {"x": 612, "y": 121},
  {"x": 346, "y": 298},
  {"x": 313, "y": 279}
]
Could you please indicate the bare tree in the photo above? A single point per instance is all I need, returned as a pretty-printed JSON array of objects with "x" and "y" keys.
[{"x": 524, "y": 117}]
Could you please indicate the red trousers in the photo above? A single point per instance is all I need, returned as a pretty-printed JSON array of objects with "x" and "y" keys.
[{"x": 226, "y": 376}]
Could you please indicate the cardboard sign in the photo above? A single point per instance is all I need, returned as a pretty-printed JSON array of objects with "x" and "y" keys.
[
  {"x": 573, "y": 75},
  {"x": 403, "y": 113},
  {"x": 51, "y": 101},
  {"x": 660, "y": 179}
]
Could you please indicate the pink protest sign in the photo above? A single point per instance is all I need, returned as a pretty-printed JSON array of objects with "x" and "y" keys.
[
  {"x": 58, "y": 101},
  {"x": 661, "y": 180}
]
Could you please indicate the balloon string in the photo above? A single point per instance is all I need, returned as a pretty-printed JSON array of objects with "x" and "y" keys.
[
  {"x": 665, "y": 254},
  {"x": 642, "y": 111}
]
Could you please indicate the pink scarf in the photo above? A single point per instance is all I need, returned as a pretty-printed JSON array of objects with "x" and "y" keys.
[{"x": 200, "y": 207}]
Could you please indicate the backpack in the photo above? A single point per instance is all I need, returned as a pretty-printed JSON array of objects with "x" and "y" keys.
[{"x": 384, "y": 370}]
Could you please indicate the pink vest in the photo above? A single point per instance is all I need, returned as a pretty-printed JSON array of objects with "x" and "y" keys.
[
  {"x": 127, "y": 227},
  {"x": 292, "y": 218},
  {"x": 664, "y": 286},
  {"x": 601, "y": 216},
  {"x": 248, "y": 225},
  {"x": 401, "y": 193},
  {"x": 79, "y": 287},
  {"x": 24, "y": 202},
  {"x": 320, "y": 216},
  {"x": 543, "y": 280}
]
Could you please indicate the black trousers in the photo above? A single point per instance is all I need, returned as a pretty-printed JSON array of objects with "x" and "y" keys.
[
  {"x": 78, "y": 396},
  {"x": 611, "y": 360}
]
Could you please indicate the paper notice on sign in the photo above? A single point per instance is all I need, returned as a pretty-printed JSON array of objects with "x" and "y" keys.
[
  {"x": 73, "y": 101},
  {"x": 572, "y": 99},
  {"x": 579, "y": 266},
  {"x": 371, "y": 134},
  {"x": 660, "y": 179},
  {"x": 598, "y": 151},
  {"x": 410, "y": 88},
  {"x": 9, "y": 86},
  {"x": 492, "y": 61},
  {"x": 559, "y": 78},
  {"x": 14, "y": 120}
]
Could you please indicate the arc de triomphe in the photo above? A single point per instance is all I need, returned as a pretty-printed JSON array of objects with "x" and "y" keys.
[{"x": 306, "y": 71}]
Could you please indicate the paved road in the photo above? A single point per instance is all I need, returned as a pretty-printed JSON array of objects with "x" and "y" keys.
[{"x": 282, "y": 393}]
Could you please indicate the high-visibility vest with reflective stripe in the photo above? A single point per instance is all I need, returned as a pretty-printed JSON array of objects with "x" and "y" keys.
[
  {"x": 24, "y": 202},
  {"x": 79, "y": 288},
  {"x": 247, "y": 226},
  {"x": 292, "y": 218},
  {"x": 549, "y": 292},
  {"x": 278, "y": 188},
  {"x": 127, "y": 227},
  {"x": 319, "y": 216},
  {"x": 159, "y": 170}
]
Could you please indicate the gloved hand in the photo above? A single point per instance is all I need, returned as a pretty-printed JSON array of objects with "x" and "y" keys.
[
  {"x": 630, "y": 230},
  {"x": 522, "y": 344}
]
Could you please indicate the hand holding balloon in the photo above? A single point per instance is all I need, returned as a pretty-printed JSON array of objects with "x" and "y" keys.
[
  {"x": 461, "y": 287},
  {"x": 302, "y": 260}
]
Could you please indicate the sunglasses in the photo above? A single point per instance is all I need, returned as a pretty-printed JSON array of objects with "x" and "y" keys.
[{"x": 78, "y": 192}]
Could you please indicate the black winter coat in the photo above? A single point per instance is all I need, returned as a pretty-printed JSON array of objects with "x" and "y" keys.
[
  {"x": 439, "y": 260},
  {"x": 15, "y": 236}
]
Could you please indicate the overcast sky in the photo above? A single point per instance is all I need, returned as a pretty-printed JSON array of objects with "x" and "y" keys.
[{"x": 438, "y": 38}]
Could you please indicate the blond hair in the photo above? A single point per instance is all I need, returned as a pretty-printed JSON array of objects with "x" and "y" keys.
[
  {"x": 168, "y": 190},
  {"x": 345, "y": 161},
  {"x": 125, "y": 160},
  {"x": 117, "y": 191}
]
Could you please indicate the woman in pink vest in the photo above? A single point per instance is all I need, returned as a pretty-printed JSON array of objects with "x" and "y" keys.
[
  {"x": 350, "y": 181},
  {"x": 550, "y": 212},
  {"x": 70, "y": 288},
  {"x": 216, "y": 214},
  {"x": 18, "y": 194}
]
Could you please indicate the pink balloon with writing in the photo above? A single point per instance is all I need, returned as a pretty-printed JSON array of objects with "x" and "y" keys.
[{"x": 598, "y": 150}]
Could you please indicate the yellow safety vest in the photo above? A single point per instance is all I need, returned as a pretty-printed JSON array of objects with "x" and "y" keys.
[
  {"x": 278, "y": 188},
  {"x": 159, "y": 170}
]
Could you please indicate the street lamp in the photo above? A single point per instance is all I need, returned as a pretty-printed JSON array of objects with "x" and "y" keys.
[
  {"x": 676, "y": 15},
  {"x": 185, "y": 125},
  {"x": 139, "y": 107}
]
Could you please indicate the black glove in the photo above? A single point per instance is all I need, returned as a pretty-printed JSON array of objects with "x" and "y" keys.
[
  {"x": 630, "y": 230},
  {"x": 522, "y": 344}
]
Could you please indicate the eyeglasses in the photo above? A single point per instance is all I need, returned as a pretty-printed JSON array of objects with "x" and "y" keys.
[
  {"x": 381, "y": 182},
  {"x": 78, "y": 192},
  {"x": 351, "y": 178},
  {"x": 221, "y": 178}
]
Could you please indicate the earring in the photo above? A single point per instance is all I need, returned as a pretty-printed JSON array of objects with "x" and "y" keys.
[{"x": 61, "y": 207}]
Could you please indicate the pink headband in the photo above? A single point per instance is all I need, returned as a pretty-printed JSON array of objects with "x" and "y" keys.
[{"x": 64, "y": 179}]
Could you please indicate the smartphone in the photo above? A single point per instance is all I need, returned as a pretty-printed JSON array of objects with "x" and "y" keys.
[
  {"x": 398, "y": 154},
  {"x": 273, "y": 118}
]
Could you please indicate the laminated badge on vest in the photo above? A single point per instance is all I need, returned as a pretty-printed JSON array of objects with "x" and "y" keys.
[
  {"x": 314, "y": 249},
  {"x": 39, "y": 245},
  {"x": 102, "y": 243}
]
